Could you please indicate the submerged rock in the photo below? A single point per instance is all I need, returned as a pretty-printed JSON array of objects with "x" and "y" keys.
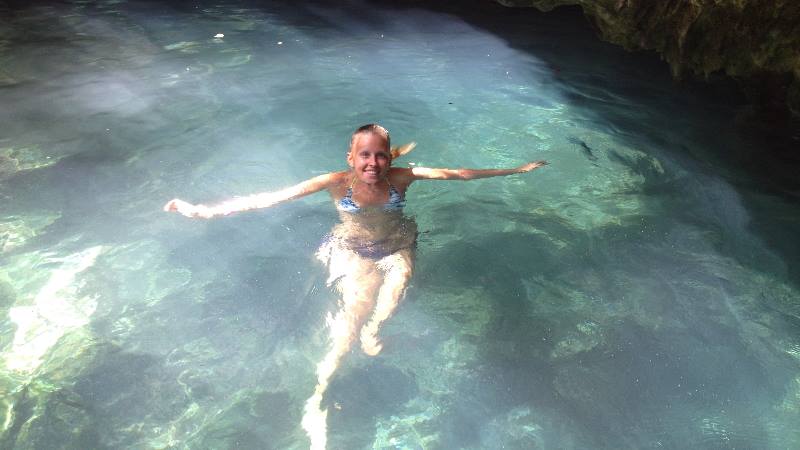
[
  {"x": 42, "y": 416},
  {"x": 587, "y": 336},
  {"x": 43, "y": 410},
  {"x": 418, "y": 428},
  {"x": 58, "y": 308},
  {"x": 13, "y": 160},
  {"x": 750, "y": 40},
  {"x": 250, "y": 421},
  {"x": 16, "y": 231}
]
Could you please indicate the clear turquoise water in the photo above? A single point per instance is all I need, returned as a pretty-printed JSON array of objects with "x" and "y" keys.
[{"x": 639, "y": 292}]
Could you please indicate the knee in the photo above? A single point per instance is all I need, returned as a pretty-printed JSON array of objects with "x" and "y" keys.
[
  {"x": 406, "y": 272},
  {"x": 400, "y": 274}
]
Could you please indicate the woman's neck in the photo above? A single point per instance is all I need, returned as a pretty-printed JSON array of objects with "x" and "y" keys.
[{"x": 374, "y": 187}]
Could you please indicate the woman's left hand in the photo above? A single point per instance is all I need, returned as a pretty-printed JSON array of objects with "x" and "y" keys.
[
  {"x": 188, "y": 209},
  {"x": 531, "y": 165}
]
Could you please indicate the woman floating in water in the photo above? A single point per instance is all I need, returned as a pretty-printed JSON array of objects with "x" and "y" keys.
[{"x": 370, "y": 254}]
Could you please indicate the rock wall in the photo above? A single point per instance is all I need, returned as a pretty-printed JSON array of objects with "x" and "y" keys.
[{"x": 755, "y": 41}]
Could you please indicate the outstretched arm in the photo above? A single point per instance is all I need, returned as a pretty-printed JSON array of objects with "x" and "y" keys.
[
  {"x": 424, "y": 173},
  {"x": 262, "y": 200}
]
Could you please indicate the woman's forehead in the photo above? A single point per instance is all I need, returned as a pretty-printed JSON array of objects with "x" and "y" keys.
[{"x": 368, "y": 140}]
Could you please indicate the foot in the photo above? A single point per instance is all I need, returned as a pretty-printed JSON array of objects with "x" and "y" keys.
[{"x": 370, "y": 342}]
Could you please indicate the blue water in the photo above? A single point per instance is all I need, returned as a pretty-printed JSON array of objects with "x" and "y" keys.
[{"x": 641, "y": 291}]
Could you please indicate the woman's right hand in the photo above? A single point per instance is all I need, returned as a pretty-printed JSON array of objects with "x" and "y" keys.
[
  {"x": 188, "y": 209},
  {"x": 531, "y": 165}
]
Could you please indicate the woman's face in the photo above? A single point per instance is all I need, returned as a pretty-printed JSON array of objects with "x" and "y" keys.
[{"x": 370, "y": 158}]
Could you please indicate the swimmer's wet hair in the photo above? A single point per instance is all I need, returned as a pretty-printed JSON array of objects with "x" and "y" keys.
[{"x": 372, "y": 128}]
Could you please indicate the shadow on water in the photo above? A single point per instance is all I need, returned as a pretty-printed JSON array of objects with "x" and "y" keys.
[
  {"x": 751, "y": 156},
  {"x": 150, "y": 391},
  {"x": 611, "y": 357}
]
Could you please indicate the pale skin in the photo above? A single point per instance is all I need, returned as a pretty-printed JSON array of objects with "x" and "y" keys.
[{"x": 371, "y": 288}]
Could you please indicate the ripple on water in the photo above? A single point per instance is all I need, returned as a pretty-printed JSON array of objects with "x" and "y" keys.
[
  {"x": 618, "y": 298},
  {"x": 57, "y": 308},
  {"x": 15, "y": 231}
]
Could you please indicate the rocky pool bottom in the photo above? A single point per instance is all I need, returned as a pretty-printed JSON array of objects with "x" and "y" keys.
[
  {"x": 639, "y": 292},
  {"x": 538, "y": 333}
]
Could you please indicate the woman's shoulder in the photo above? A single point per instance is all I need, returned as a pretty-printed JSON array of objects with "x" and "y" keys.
[
  {"x": 400, "y": 177},
  {"x": 339, "y": 177},
  {"x": 400, "y": 174},
  {"x": 338, "y": 182}
]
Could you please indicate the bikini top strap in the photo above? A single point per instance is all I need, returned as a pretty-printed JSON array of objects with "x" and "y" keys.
[
  {"x": 349, "y": 192},
  {"x": 395, "y": 198},
  {"x": 394, "y": 194}
]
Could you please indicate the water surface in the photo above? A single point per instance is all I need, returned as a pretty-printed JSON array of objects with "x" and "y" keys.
[{"x": 639, "y": 292}]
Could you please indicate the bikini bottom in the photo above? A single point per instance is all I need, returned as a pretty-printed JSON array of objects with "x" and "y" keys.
[{"x": 368, "y": 250}]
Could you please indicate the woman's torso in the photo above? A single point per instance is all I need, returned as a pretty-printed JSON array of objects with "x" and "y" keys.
[{"x": 373, "y": 219}]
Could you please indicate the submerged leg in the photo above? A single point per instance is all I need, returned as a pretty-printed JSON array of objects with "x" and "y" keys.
[
  {"x": 358, "y": 288},
  {"x": 397, "y": 269}
]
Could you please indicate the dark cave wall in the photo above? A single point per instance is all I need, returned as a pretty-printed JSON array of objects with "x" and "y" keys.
[{"x": 754, "y": 41}]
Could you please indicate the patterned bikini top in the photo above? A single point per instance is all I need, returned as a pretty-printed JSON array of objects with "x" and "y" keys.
[{"x": 396, "y": 201}]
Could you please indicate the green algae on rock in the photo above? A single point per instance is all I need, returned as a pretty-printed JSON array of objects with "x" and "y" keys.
[
  {"x": 745, "y": 39},
  {"x": 13, "y": 160},
  {"x": 16, "y": 231},
  {"x": 417, "y": 429},
  {"x": 248, "y": 421}
]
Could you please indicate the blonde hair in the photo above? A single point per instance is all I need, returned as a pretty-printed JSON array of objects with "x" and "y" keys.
[{"x": 372, "y": 128}]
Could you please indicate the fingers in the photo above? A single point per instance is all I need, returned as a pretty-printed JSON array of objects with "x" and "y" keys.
[
  {"x": 536, "y": 164},
  {"x": 179, "y": 206},
  {"x": 187, "y": 209},
  {"x": 172, "y": 205},
  {"x": 532, "y": 165}
]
